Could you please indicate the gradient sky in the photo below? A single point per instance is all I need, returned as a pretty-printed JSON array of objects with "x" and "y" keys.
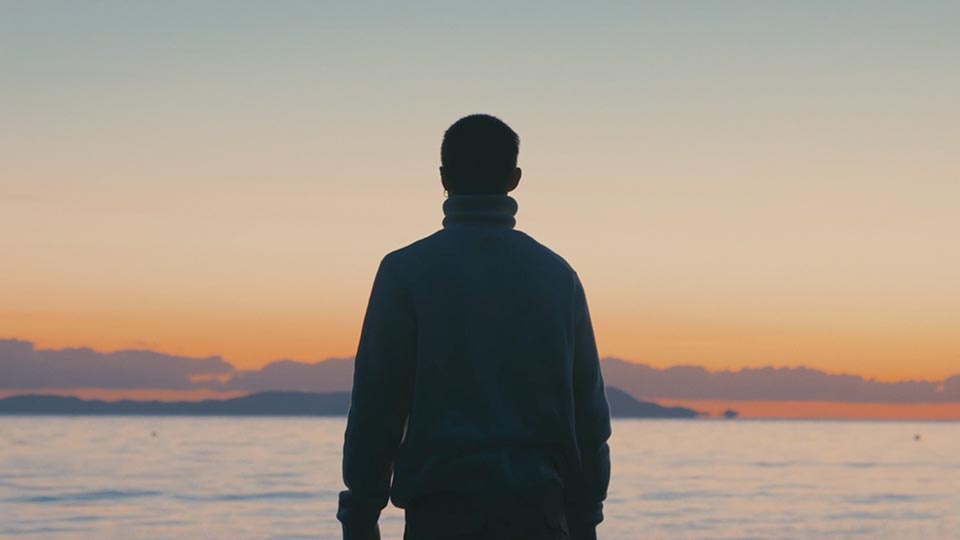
[{"x": 737, "y": 183}]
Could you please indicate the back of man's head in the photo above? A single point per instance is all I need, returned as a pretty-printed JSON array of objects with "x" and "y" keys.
[{"x": 479, "y": 156}]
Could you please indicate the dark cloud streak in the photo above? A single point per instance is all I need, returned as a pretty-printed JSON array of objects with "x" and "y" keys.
[
  {"x": 332, "y": 375},
  {"x": 770, "y": 383},
  {"x": 24, "y": 367}
]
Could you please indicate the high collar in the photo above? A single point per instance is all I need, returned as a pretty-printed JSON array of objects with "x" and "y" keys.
[{"x": 494, "y": 211}]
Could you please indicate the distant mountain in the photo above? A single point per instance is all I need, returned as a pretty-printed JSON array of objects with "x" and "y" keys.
[
  {"x": 260, "y": 404},
  {"x": 623, "y": 405},
  {"x": 271, "y": 404}
]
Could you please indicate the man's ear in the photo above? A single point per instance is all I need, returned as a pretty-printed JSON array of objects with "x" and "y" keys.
[
  {"x": 443, "y": 180},
  {"x": 517, "y": 173}
]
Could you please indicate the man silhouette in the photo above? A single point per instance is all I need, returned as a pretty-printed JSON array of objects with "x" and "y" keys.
[{"x": 477, "y": 384}]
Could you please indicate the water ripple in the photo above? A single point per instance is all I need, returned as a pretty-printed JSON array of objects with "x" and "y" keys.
[
  {"x": 887, "y": 497},
  {"x": 109, "y": 494},
  {"x": 38, "y": 530},
  {"x": 250, "y": 496},
  {"x": 884, "y": 516}
]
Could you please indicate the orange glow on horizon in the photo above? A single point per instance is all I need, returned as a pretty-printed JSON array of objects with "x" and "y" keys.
[
  {"x": 250, "y": 340},
  {"x": 116, "y": 394},
  {"x": 822, "y": 409}
]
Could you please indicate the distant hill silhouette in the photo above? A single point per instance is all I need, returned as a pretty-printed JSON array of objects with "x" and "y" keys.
[
  {"x": 260, "y": 404},
  {"x": 623, "y": 405},
  {"x": 270, "y": 404}
]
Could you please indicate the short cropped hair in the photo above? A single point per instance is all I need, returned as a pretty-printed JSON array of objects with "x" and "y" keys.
[{"x": 479, "y": 154}]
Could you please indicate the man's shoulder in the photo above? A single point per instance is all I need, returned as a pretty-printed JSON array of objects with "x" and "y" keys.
[
  {"x": 411, "y": 252},
  {"x": 413, "y": 248},
  {"x": 545, "y": 251},
  {"x": 421, "y": 251}
]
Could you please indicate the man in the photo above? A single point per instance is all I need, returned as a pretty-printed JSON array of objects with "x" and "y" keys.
[{"x": 477, "y": 384}]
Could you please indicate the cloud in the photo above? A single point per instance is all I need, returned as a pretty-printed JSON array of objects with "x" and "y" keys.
[
  {"x": 25, "y": 367},
  {"x": 22, "y": 366},
  {"x": 770, "y": 383},
  {"x": 332, "y": 375},
  {"x": 951, "y": 388}
]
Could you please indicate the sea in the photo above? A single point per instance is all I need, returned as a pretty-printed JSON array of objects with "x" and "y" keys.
[{"x": 131, "y": 477}]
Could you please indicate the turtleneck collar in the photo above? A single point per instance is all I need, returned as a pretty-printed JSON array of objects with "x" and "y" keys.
[{"x": 495, "y": 211}]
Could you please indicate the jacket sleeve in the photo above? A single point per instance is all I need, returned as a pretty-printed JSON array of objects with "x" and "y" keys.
[
  {"x": 379, "y": 404},
  {"x": 588, "y": 489}
]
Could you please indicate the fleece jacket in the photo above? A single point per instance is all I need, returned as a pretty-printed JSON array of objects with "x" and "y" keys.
[{"x": 477, "y": 373}]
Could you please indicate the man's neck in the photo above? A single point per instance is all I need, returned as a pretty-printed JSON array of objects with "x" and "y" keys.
[{"x": 490, "y": 211}]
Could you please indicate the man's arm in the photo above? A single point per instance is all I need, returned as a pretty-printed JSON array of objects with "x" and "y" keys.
[
  {"x": 379, "y": 404},
  {"x": 588, "y": 489}
]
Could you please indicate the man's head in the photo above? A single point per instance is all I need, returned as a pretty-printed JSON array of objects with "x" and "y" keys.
[{"x": 479, "y": 156}]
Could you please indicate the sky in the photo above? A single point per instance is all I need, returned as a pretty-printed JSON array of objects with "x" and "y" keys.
[{"x": 738, "y": 184}]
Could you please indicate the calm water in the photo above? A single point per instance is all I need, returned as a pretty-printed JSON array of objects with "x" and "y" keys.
[{"x": 278, "y": 478}]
